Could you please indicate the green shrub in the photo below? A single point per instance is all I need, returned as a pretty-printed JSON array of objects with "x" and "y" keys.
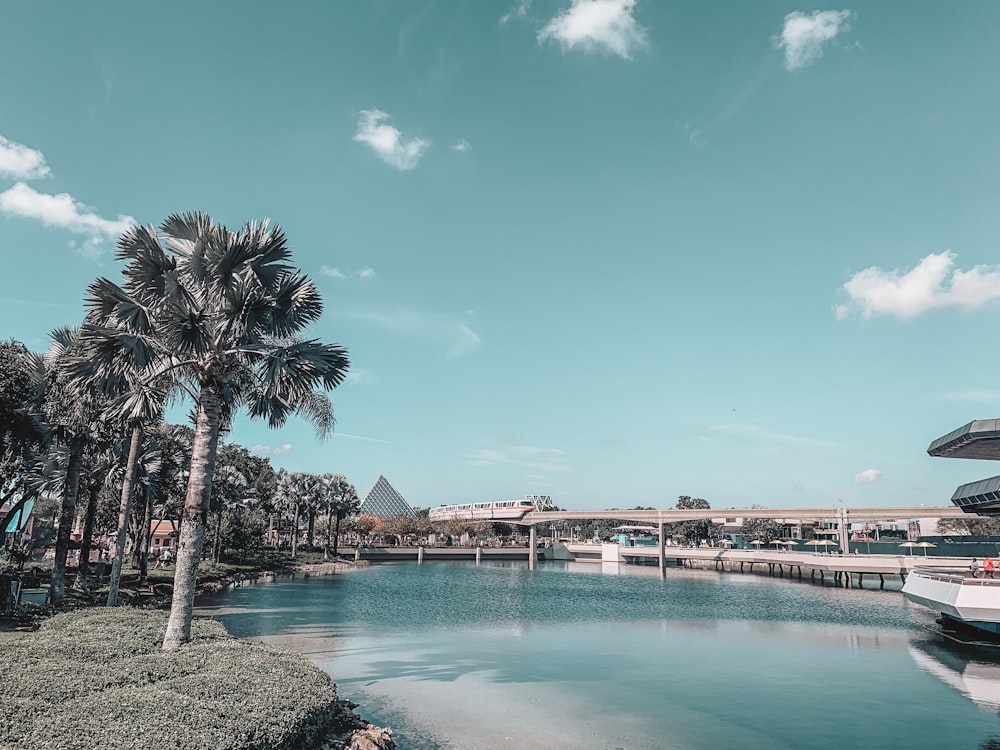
[{"x": 98, "y": 678}]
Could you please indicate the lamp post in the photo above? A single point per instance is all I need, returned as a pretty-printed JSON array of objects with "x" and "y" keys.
[
  {"x": 576, "y": 534},
  {"x": 552, "y": 528}
]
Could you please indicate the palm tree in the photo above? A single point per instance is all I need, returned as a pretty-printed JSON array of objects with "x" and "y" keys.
[
  {"x": 341, "y": 502},
  {"x": 220, "y": 313}
]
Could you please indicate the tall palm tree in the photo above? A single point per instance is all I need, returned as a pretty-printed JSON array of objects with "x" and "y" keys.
[
  {"x": 342, "y": 501},
  {"x": 220, "y": 312}
]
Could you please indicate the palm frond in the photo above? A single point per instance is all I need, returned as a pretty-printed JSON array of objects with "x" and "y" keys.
[{"x": 296, "y": 304}]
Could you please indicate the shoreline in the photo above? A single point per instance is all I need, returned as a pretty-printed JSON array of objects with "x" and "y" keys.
[{"x": 346, "y": 730}]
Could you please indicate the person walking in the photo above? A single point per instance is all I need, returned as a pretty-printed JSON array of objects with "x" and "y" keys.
[
  {"x": 987, "y": 567},
  {"x": 974, "y": 567}
]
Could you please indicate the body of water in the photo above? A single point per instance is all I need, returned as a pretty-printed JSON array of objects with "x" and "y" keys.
[{"x": 467, "y": 658}]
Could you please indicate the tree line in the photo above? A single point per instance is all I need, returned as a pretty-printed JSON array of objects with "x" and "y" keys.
[{"x": 201, "y": 315}]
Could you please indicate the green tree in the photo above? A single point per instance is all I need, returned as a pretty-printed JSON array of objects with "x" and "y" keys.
[
  {"x": 221, "y": 313},
  {"x": 694, "y": 530},
  {"x": 972, "y": 526},
  {"x": 341, "y": 502}
]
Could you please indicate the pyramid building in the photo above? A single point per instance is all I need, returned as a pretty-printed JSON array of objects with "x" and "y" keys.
[{"x": 382, "y": 501}]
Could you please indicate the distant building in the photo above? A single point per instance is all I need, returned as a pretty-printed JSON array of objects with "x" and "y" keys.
[{"x": 383, "y": 501}]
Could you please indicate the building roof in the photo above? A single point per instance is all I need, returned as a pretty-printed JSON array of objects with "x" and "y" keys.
[
  {"x": 979, "y": 439},
  {"x": 382, "y": 501},
  {"x": 979, "y": 497}
]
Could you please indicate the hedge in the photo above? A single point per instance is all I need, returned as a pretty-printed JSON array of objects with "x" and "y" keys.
[{"x": 97, "y": 678}]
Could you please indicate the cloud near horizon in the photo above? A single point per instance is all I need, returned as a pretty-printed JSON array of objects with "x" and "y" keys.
[
  {"x": 20, "y": 162},
  {"x": 804, "y": 35},
  {"x": 268, "y": 450},
  {"x": 387, "y": 142},
  {"x": 934, "y": 284},
  {"x": 606, "y": 26},
  {"x": 868, "y": 476},
  {"x": 366, "y": 272},
  {"x": 64, "y": 212}
]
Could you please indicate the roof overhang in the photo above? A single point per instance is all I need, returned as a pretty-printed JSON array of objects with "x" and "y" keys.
[{"x": 979, "y": 439}]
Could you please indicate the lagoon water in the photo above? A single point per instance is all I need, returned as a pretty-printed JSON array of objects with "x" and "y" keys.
[{"x": 461, "y": 657}]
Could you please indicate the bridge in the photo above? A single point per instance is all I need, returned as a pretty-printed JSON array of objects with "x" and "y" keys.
[{"x": 842, "y": 515}]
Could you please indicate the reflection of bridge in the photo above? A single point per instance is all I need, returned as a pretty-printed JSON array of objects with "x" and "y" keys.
[{"x": 842, "y": 515}]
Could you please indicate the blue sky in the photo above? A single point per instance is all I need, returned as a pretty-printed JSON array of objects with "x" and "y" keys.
[{"x": 614, "y": 251}]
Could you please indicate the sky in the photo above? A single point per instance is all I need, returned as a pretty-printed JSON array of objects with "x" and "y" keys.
[{"x": 610, "y": 251}]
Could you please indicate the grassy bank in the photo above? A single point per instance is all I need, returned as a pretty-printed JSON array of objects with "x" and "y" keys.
[{"x": 97, "y": 677}]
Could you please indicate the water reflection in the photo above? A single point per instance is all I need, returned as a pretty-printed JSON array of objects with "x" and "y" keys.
[{"x": 972, "y": 672}]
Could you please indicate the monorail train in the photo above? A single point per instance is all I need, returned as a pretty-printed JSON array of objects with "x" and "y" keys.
[{"x": 499, "y": 510}]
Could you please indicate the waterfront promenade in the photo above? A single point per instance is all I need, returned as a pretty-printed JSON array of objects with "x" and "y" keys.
[{"x": 850, "y": 570}]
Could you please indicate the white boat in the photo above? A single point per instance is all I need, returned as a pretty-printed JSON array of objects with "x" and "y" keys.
[
  {"x": 965, "y": 603},
  {"x": 497, "y": 510}
]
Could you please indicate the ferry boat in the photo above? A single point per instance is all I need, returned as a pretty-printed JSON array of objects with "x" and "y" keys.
[
  {"x": 497, "y": 510},
  {"x": 969, "y": 607}
]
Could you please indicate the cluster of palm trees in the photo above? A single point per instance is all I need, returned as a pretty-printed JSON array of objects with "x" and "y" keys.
[
  {"x": 310, "y": 495},
  {"x": 202, "y": 314}
]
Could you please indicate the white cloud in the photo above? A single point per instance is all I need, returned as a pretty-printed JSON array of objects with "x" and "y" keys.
[
  {"x": 366, "y": 273},
  {"x": 331, "y": 271},
  {"x": 933, "y": 284},
  {"x": 868, "y": 476},
  {"x": 388, "y": 142},
  {"x": 267, "y": 450},
  {"x": 532, "y": 457},
  {"x": 519, "y": 10},
  {"x": 755, "y": 431},
  {"x": 20, "y": 162},
  {"x": 439, "y": 330},
  {"x": 597, "y": 26},
  {"x": 463, "y": 146},
  {"x": 357, "y": 376},
  {"x": 62, "y": 211},
  {"x": 804, "y": 35}
]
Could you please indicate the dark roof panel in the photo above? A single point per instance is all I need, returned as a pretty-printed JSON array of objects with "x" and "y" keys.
[{"x": 979, "y": 439}]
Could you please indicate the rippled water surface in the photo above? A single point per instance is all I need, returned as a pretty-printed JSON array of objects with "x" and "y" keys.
[{"x": 496, "y": 656}]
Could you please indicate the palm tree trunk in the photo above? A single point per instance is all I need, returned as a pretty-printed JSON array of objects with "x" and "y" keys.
[
  {"x": 312, "y": 523},
  {"x": 217, "y": 547},
  {"x": 145, "y": 538},
  {"x": 191, "y": 539},
  {"x": 329, "y": 529},
  {"x": 86, "y": 541},
  {"x": 336, "y": 536},
  {"x": 295, "y": 531},
  {"x": 124, "y": 513},
  {"x": 67, "y": 513}
]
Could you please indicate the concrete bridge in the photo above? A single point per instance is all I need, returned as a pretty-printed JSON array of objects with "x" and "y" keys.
[{"x": 844, "y": 516}]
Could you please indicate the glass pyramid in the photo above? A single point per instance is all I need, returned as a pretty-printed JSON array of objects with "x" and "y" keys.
[{"x": 382, "y": 501}]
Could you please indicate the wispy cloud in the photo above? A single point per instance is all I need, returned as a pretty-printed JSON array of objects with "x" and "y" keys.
[
  {"x": 356, "y": 376},
  {"x": 804, "y": 35},
  {"x": 518, "y": 11},
  {"x": 359, "y": 437},
  {"x": 462, "y": 146},
  {"x": 64, "y": 212},
  {"x": 606, "y": 26},
  {"x": 756, "y": 431},
  {"x": 269, "y": 450},
  {"x": 440, "y": 330},
  {"x": 366, "y": 272},
  {"x": 532, "y": 457},
  {"x": 20, "y": 162},
  {"x": 974, "y": 396},
  {"x": 868, "y": 476},
  {"x": 933, "y": 284},
  {"x": 387, "y": 142}
]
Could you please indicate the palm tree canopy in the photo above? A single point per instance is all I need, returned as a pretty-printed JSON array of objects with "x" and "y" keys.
[{"x": 208, "y": 306}]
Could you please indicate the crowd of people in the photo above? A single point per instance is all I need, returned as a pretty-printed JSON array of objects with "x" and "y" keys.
[{"x": 983, "y": 570}]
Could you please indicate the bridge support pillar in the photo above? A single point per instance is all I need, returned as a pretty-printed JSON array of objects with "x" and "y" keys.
[
  {"x": 420, "y": 555},
  {"x": 357, "y": 553},
  {"x": 532, "y": 548},
  {"x": 479, "y": 555},
  {"x": 661, "y": 557}
]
